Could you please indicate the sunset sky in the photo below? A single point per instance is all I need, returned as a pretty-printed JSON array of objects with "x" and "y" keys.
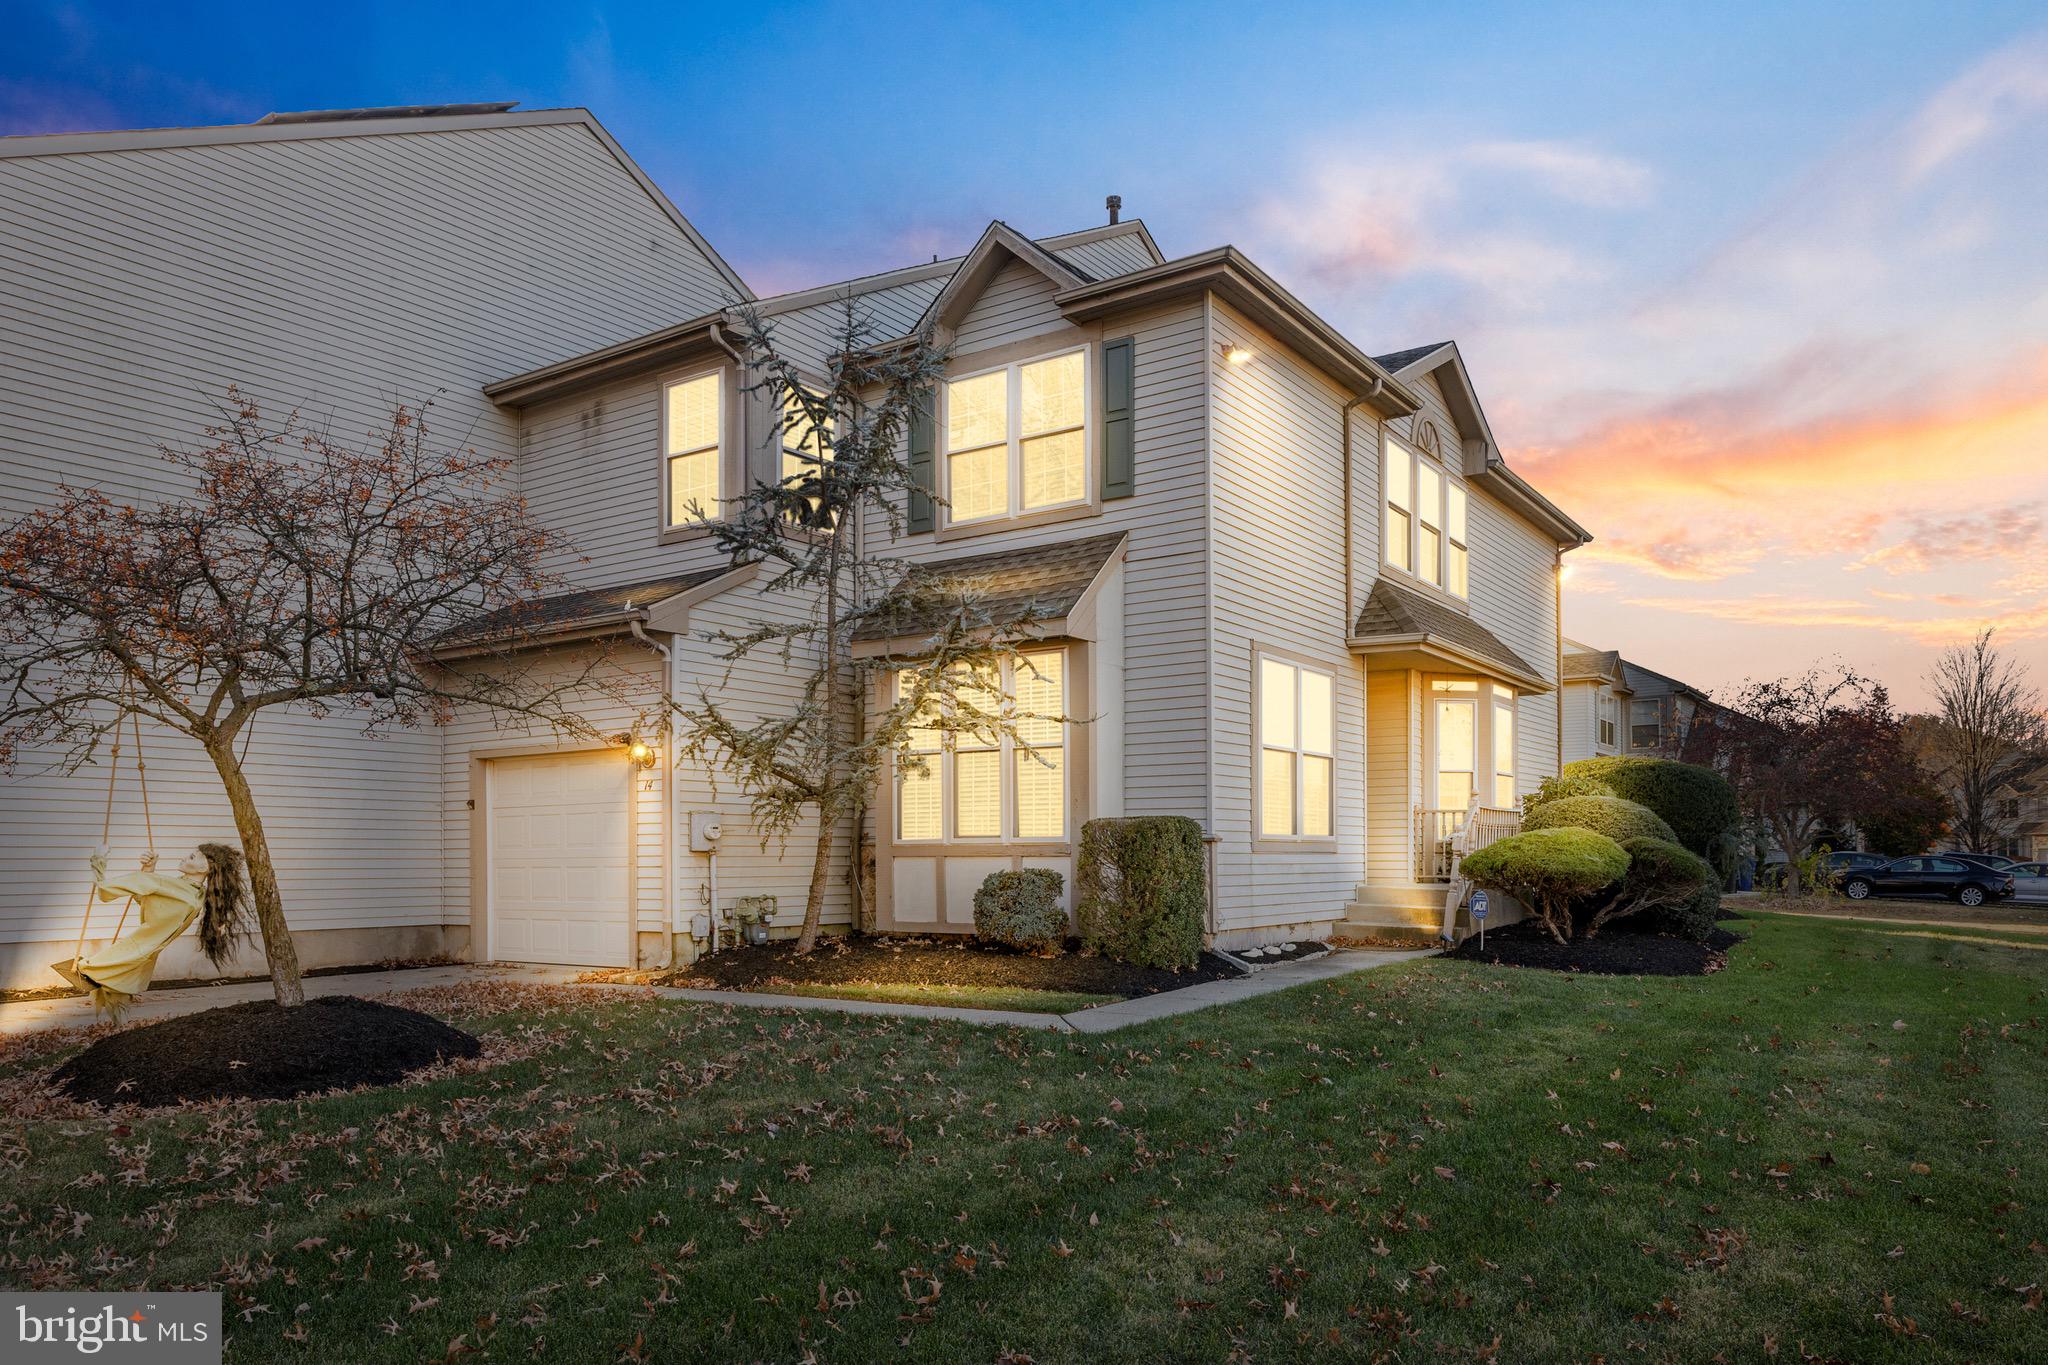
[{"x": 1759, "y": 294}]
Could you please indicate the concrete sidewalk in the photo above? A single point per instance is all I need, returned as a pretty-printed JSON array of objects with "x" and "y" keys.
[
  {"x": 75, "y": 1011},
  {"x": 1100, "y": 1019},
  {"x": 27, "y": 1016}
]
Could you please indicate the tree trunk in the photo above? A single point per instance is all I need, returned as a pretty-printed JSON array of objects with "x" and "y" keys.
[
  {"x": 278, "y": 948},
  {"x": 814, "y": 903}
]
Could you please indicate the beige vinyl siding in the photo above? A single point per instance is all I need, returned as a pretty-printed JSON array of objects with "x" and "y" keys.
[
  {"x": 1018, "y": 303},
  {"x": 1392, "y": 761},
  {"x": 1581, "y": 720},
  {"x": 755, "y": 688},
  {"x": 1278, "y": 477},
  {"x": 338, "y": 274}
]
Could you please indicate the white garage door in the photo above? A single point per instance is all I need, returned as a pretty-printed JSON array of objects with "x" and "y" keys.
[{"x": 558, "y": 860}]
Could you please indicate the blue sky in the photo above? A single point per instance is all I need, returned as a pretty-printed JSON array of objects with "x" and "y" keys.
[{"x": 1692, "y": 253}]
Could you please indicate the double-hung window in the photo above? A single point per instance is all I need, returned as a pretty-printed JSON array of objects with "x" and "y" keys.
[
  {"x": 1426, "y": 519},
  {"x": 1016, "y": 438},
  {"x": 985, "y": 786},
  {"x": 1645, "y": 724},
  {"x": 806, "y": 445},
  {"x": 1297, "y": 748},
  {"x": 1607, "y": 721},
  {"x": 692, "y": 447}
]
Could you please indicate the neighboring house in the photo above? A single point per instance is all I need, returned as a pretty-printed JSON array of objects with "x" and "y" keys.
[
  {"x": 1613, "y": 706},
  {"x": 1293, "y": 589}
]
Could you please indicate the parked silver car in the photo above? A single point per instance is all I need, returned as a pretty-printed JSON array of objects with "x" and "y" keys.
[{"x": 2029, "y": 881}]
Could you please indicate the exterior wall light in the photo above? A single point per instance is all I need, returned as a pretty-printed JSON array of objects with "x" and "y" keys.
[
  {"x": 640, "y": 753},
  {"x": 1236, "y": 352}
]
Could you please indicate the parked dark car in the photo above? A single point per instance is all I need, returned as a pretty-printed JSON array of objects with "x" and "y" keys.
[
  {"x": 1930, "y": 875},
  {"x": 1838, "y": 865},
  {"x": 1997, "y": 862}
]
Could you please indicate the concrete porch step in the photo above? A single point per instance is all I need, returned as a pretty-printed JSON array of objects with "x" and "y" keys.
[{"x": 1411, "y": 911}]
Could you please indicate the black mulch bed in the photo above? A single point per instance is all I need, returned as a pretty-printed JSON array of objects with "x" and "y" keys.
[
  {"x": 262, "y": 1051},
  {"x": 1611, "y": 954},
  {"x": 935, "y": 962}
]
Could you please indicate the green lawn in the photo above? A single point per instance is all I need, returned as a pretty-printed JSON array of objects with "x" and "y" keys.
[{"x": 1431, "y": 1161}]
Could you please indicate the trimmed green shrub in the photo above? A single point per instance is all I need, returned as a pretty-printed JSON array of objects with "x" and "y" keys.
[
  {"x": 1022, "y": 910},
  {"x": 1549, "y": 870},
  {"x": 1612, "y": 816},
  {"x": 1667, "y": 884},
  {"x": 1558, "y": 786},
  {"x": 1696, "y": 802},
  {"x": 1142, "y": 890}
]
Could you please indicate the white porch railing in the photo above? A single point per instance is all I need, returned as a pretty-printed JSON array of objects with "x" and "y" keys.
[{"x": 1443, "y": 836}]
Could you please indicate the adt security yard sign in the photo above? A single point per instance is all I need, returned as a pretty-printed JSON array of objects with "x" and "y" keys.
[{"x": 1479, "y": 916}]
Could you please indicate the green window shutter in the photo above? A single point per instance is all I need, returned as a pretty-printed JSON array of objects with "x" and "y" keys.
[
  {"x": 1119, "y": 456},
  {"x": 921, "y": 445}
]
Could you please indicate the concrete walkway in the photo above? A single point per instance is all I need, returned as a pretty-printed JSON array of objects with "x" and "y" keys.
[
  {"x": 1100, "y": 1019},
  {"x": 75, "y": 1011},
  {"x": 27, "y": 1016}
]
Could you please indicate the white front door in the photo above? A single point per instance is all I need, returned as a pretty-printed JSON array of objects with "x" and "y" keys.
[{"x": 559, "y": 859}]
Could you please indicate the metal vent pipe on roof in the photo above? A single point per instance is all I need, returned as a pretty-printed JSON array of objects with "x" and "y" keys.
[{"x": 1116, "y": 205}]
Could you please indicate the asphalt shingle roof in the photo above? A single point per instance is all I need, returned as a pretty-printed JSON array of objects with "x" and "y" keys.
[
  {"x": 1392, "y": 610},
  {"x": 1043, "y": 581},
  {"x": 1393, "y": 361},
  {"x": 575, "y": 610},
  {"x": 1592, "y": 663}
]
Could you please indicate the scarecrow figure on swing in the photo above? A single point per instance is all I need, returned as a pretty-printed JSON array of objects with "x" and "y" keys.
[{"x": 208, "y": 887}]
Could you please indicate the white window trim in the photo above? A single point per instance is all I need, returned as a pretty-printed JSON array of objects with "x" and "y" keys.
[
  {"x": 1439, "y": 520},
  {"x": 1606, "y": 720},
  {"x": 728, "y": 427},
  {"x": 1300, "y": 665},
  {"x": 1008, "y": 750},
  {"x": 1017, "y": 514}
]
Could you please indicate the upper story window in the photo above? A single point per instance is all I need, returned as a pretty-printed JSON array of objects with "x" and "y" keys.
[
  {"x": 1016, "y": 438},
  {"x": 1297, "y": 748},
  {"x": 692, "y": 447},
  {"x": 1645, "y": 724},
  {"x": 805, "y": 446},
  {"x": 1607, "y": 720},
  {"x": 1426, "y": 530},
  {"x": 1000, "y": 788}
]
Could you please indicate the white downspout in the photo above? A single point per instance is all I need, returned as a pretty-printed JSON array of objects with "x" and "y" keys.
[{"x": 668, "y": 801}]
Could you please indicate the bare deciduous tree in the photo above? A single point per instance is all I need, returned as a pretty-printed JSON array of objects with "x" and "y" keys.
[
  {"x": 1990, "y": 736},
  {"x": 822, "y": 755},
  {"x": 300, "y": 574}
]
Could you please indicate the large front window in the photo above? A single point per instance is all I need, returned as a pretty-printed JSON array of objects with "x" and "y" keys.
[
  {"x": 1297, "y": 748},
  {"x": 993, "y": 787},
  {"x": 692, "y": 437},
  {"x": 1017, "y": 439},
  {"x": 1426, "y": 512}
]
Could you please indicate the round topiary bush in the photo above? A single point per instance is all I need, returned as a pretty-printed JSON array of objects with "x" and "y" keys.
[
  {"x": 1666, "y": 885},
  {"x": 1696, "y": 802},
  {"x": 1022, "y": 910},
  {"x": 1619, "y": 820},
  {"x": 1552, "y": 871}
]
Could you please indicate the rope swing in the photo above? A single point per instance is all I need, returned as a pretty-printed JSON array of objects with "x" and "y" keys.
[{"x": 107, "y": 817}]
